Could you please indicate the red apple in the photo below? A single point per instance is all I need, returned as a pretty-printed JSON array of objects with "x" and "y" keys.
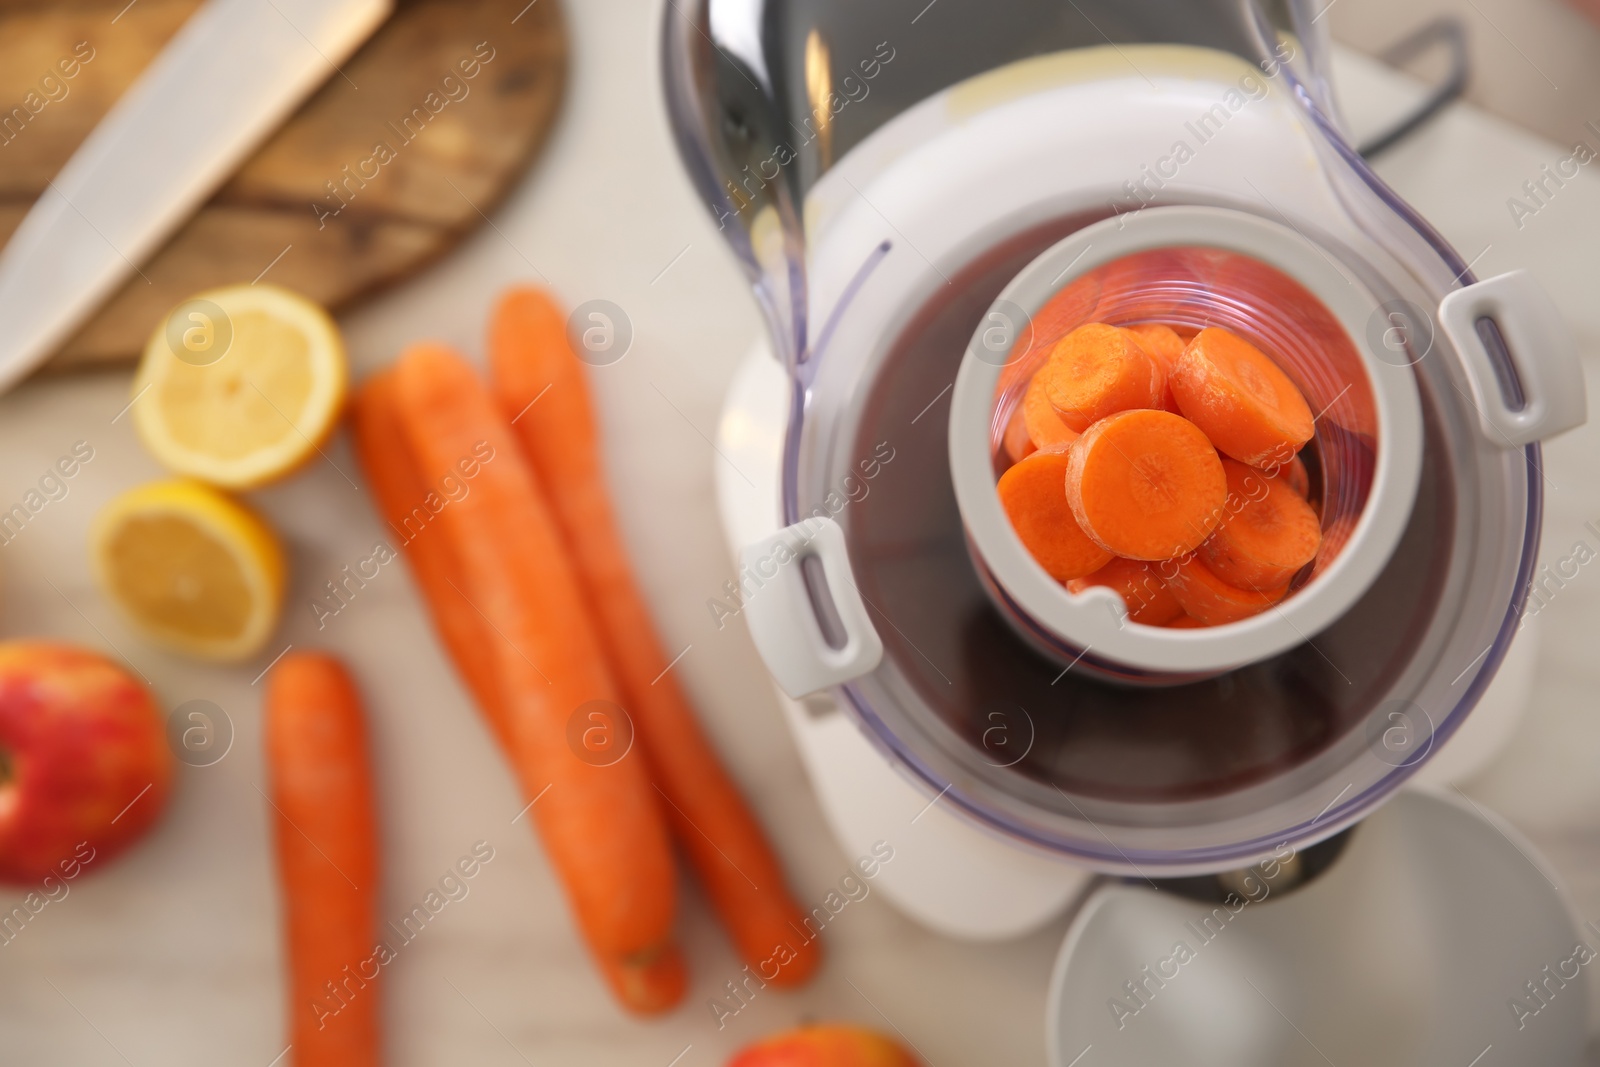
[
  {"x": 827, "y": 1045},
  {"x": 84, "y": 763}
]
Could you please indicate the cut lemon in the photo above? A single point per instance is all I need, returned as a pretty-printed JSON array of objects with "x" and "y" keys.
[
  {"x": 239, "y": 386},
  {"x": 190, "y": 568}
]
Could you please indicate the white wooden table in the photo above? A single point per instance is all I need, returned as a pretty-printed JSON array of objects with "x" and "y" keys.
[{"x": 171, "y": 956}]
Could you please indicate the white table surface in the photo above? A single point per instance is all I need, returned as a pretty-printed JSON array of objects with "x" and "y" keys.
[{"x": 172, "y": 957}]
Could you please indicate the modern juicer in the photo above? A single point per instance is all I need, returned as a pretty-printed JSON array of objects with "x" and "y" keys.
[{"x": 905, "y": 185}]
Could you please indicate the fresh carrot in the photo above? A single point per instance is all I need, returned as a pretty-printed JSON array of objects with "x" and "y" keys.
[
  {"x": 1268, "y": 531},
  {"x": 1099, "y": 370},
  {"x": 557, "y": 430},
  {"x": 1015, "y": 439},
  {"x": 1163, "y": 345},
  {"x": 326, "y": 833},
  {"x": 601, "y": 824},
  {"x": 403, "y": 500},
  {"x": 1145, "y": 484},
  {"x": 1147, "y": 597},
  {"x": 1044, "y": 426},
  {"x": 1033, "y": 495},
  {"x": 1209, "y": 599},
  {"x": 1243, "y": 401}
]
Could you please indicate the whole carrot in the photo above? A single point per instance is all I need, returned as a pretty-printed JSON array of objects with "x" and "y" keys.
[
  {"x": 327, "y": 845},
  {"x": 403, "y": 500},
  {"x": 540, "y": 384},
  {"x": 600, "y": 821}
]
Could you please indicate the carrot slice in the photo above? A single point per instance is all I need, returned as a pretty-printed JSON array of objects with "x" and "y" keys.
[
  {"x": 1240, "y": 398},
  {"x": 1146, "y": 484},
  {"x": 1163, "y": 345},
  {"x": 1212, "y": 601},
  {"x": 1015, "y": 440},
  {"x": 1034, "y": 497},
  {"x": 528, "y": 353},
  {"x": 325, "y": 828},
  {"x": 601, "y": 824},
  {"x": 1268, "y": 531},
  {"x": 1044, "y": 425},
  {"x": 1294, "y": 473},
  {"x": 1149, "y": 600},
  {"x": 1099, "y": 370},
  {"x": 1184, "y": 622}
]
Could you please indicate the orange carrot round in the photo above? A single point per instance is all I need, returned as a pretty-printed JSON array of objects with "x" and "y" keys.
[
  {"x": 1015, "y": 440},
  {"x": 326, "y": 836},
  {"x": 1044, "y": 426},
  {"x": 1145, "y": 484},
  {"x": 1268, "y": 531},
  {"x": 1098, "y": 370},
  {"x": 1149, "y": 601},
  {"x": 1184, "y": 622},
  {"x": 601, "y": 824},
  {"x": 1163, "y": 345},
  {"x": 1209, "y": 599},
  {"x": 731, "y": 856},
  {"x": 1034, "y": 497},
  {"x": 1242, "y": 400},
  {"x": 1294, "y": 473}
]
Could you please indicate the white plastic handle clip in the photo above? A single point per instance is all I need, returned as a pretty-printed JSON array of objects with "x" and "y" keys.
[
  {"x": 783, "y": 609},
  {"x": 1541, "y": 350}
]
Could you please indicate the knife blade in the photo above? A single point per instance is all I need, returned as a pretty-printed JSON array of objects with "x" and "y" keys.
[{"x": 228, "y": 77}]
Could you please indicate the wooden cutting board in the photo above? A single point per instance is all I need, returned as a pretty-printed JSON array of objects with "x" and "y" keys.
[{"x": 405, "y": 148}]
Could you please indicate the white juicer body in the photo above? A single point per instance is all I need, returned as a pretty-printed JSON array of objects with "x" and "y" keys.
[{"x": 927, "y": 187}]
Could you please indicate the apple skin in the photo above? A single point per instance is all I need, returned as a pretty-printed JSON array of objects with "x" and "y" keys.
[
  {"x": 825, "y": 1045},
  {"x": 79, "y": 739}
]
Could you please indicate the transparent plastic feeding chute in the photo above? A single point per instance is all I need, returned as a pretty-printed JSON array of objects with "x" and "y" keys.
[{"x": 884, "y": 172}]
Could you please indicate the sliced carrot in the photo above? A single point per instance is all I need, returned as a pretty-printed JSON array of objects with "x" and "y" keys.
[
  {"x": 1184, "y": 622},
  {"x": 325, "y": 828},
  {"x": 1294, "y": 473},
  {"x": 1145, "y": 484},
  {"x": 1268, "y": 531},
  {"x": 1149, "y": 600},
  {"x": 1242, "y": 400},
  {"x": 1099, "y": 370},
  {"x": 715, "y": 827},
  {"x": 1033, "y": 493},
  {"x": 1015, "y": 440},
  {"x": 601, "y": 825},
  {"x": 1044, "y": 425},
  {"x": 1163, "y": 345},
  {"x": 1209, "y": 599}
]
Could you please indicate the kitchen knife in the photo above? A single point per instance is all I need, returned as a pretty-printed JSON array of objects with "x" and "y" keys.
[{"x": 228, "y": 78}]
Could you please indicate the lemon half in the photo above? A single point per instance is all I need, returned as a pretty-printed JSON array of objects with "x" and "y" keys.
[
  {"x": 239, "y": 386},
  {"x": 190, "y": 568}
]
